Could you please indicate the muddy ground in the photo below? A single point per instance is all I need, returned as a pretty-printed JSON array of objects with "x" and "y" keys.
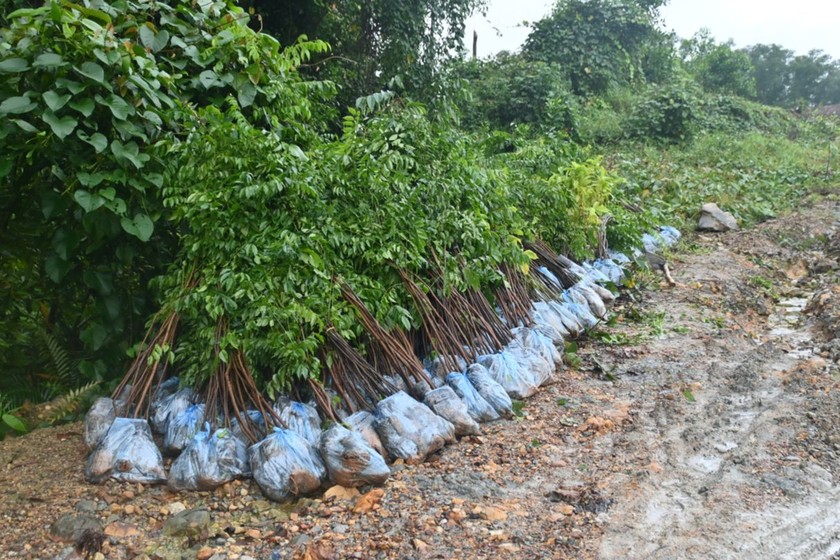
[{"x": 703, "y": 422}]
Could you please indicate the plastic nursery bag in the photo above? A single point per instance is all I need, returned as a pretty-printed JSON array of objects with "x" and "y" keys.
[
  {"x": 670, "y": 235},
  {"x": 362, "y": 423},
  {"x": 446, "y": 404},
  {"x": 596, "y": 305},
  {"x": 505, "y": 369},
  {"x": 549, "y": 323},
  {"x": 567, "y": 317},
  {"x": 350, "y": 460},
  {"x": 611, "y": 269},
  {"x": 410, "y": 430},
  {"x": 181, "y": 429},
  {"x": 535, "y": 341},
  {"x": 490, "y": 390},
  {"x": 284, "y": 464},
  {"x": 478, "y": 408},
  {"x": 127, "y": 453},
  {"x": 98, "y": 421},
  {"x": 256, "y": 423},
  {"x": 577, "y": 305},
  {"x": 209, "y": 461},
  {"x": 169, "y": 407},
  {"x": 303, "y": 420}
]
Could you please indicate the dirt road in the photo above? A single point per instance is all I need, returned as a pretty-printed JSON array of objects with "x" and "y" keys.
[{"x": 703, "y": 423}]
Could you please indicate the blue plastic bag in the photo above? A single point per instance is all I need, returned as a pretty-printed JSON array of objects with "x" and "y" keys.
[
  {"x": 209, "y": 461},
  {"x": 127, "y": 453},
  {"x": 181, "y": 429},
  {"x": 350, "y": 460},
  {"x": 490, "y": 390},
  {"x": 478, "y": 408},
  {"x": 284, "y": 464}
]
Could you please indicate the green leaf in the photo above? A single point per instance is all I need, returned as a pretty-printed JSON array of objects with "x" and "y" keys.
[
  {"x": 160, "y": 41},
  {"x": 48, "y": 60},
  {"x": 140, "y": 227},
  {"x": 25, "y": 126},
  {"x": 97, "y": 140},
  {"x": 147, "y": 35},
  {"x": 130, "y": 152},
  {"x": 689, "y": 396},
  {"x": 14, "y": 422},
  {"x": 17, "y": 105},
  {"x": 55, "y": 101},
  {"x": 56, "y": 268},
  {"x": 119, "y": 108},
  {"x": 93, "y": 71},
  {"x": 61, "y": 126},
  {"x": 72, "y": 86},
  {"x": 209, "y": 79},
  {"x": 94, "y": 336},
  {"x": 85, "y": 106},
  {"x": 246, "y": 94},
  {"x": 88, "y": 201},
  {"x": 12, "y": 65},
  {"x": 108, "y": 193}
]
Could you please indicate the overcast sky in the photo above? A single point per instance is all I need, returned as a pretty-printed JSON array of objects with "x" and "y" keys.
[{"x": 799, "y": 25}]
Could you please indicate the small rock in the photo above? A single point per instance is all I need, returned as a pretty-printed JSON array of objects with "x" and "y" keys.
[
  {"x": 300, "y": 539},
  {"x": 86, "y": 506},
  {"x": 70, "y": 526},
  {"x": 712, "y": 218},
  {"x": 366, "y": 502},
  {"x": 188, "y": 523},
  {"x": 119, "y": 530},
  {"x": 419, "y": 545},
  {"x": 342, "y": 493},
  {"x": 204, "y": 553},
  {"x": 175, "y": 508}
]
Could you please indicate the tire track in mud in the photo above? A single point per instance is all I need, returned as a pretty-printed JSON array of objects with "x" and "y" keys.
[{"x": 715, "y": 489}]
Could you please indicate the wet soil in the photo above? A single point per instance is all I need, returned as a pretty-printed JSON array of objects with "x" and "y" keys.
[{"x": 702, "y": 422}]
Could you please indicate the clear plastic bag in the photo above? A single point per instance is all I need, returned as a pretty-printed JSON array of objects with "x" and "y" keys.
[
  {"x": 209, "y": 461},
  {"x": 490, "y": 390},
  {"x": 257, "y": 422},
  {"x": 284, "y": 464},
  {"x": 508, "y": 371},
  {"x": 127, "y": 453},
  {"x": 350, "y": 460},
  {"x": 169, "y": 406},
  {"x": 303, "y": 420},
  {"x": 181, "y": 429},
  {"x": 446, "y": 404},
  {"x": 410, "y": 430},
  {"x": 362, "y": 423},
  {"x": 549, "y": 323},
  {"x": 569, "y": 320},
  {"x": 478, "y": 408},
  {"x": 535, "y": 341},
  {"x": 98, "y": 421},
  {"x": 596, "y": 305}
]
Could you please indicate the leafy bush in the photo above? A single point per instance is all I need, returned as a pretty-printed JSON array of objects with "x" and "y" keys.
[{"x": 668, "y": 113}]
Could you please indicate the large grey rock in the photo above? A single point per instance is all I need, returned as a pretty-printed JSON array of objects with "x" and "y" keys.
[
  {"x": 713, "y": 218},
  {"x": 70, "y": 526},
  {"x": 188, "y": 523}
]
